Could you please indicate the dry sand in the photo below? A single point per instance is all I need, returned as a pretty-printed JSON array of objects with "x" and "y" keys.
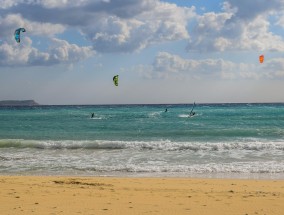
[{"x": 100, "y": 195}]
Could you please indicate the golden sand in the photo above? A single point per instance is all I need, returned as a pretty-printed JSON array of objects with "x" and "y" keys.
[{"x": 100, "y": 195}]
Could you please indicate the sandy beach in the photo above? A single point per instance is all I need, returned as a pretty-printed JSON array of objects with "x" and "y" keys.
[{"x": 108, "y": 195}]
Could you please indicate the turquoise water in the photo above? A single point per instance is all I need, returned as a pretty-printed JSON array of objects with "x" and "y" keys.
[{"x": 220, "y": 140}]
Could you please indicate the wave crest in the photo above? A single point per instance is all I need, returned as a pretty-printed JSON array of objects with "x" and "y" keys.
[{"x": 165, "y": 145}]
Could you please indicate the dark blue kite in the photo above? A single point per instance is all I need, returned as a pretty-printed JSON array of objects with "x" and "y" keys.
[{"x": 17, "y": 34}]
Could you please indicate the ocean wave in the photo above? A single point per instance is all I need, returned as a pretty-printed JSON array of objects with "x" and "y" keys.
[
  {"x": 164, "y": 145},
  {"x": 96, "y": 118},
  {"x": 188, "y": 116},
  {"x": 10, "y": 158},
  {"x": 155, "y": 114},
  {"x": 183, "y": 115},
  {"x": 270, "y": 167},
  {"x": 64, "y": 144}
]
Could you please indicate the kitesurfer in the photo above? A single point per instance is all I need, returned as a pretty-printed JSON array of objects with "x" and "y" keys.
[{"x": 191, "y": 112}]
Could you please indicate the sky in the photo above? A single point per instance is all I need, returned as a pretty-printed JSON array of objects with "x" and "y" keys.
[{"x": 164, "y": 51}]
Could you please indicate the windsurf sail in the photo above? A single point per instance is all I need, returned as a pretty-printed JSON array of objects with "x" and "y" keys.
[{"x": 191, "y": 112}]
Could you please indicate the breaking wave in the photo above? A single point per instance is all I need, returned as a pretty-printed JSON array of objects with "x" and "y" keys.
[{"x": 165, "y": 145}]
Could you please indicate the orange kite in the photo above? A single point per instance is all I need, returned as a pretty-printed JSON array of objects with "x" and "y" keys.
[{"x": 261, "y": 58}]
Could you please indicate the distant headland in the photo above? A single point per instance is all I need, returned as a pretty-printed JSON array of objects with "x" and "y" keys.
[{"x": 18, "y": 103}]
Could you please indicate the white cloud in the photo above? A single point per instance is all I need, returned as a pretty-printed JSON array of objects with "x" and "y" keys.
[
  {"x": 112, "y": 26},
  {"x": 159, "y": 23},
  {"x": 167, "y": 65},
  {"x": 132, "y": 25},
  {"x": 13, "y": 21},
  {"x": 25, "y": 55},
  {"x": 208, "y": 32},
  {"x": 62, "y": 51},
  {"x": 46, "y": 3},
  {"x": 274, "y": 68},
  {"x": 7, "y": 3},
  {"x": 244, "y": 25},
  {"x": 248, "y": 10},
  {"x": 61, "y": 3},
  {"x": 280, "y": 21}
]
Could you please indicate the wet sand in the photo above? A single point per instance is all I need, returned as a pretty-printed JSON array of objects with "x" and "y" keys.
[{"x": 109, "y": 195}]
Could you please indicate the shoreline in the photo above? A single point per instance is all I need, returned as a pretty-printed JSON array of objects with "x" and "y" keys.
[
  {"x": 217, "y": 176},
  {"x": 135, "y": 195}
]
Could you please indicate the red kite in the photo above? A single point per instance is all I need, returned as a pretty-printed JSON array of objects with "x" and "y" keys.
[{"x": 261, "y": 58}]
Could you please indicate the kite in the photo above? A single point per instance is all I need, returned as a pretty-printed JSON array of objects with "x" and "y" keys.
[
  {"x": 17, "y": 34},
  {"x": 261, "y": 58},
  {"x": 115, "y": 80}
]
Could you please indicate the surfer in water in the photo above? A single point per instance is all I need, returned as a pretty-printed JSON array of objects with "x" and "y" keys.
[
  {"x": 191, "y": 114},
  {"x": 166, "y": 110},
  {"x": 93, "y": 114}
]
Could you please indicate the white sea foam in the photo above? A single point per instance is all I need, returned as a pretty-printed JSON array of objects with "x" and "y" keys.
[
  {"x": 95, "y": 157},
  {"x": 187, "y": 115},
  {"x": 223, "y": 139},
  {"x": 165, "y": 145},
  {"x": 96, "y": 118},
  {"x": 183, "y": 115},
  {"x": 155, "y": 114}
]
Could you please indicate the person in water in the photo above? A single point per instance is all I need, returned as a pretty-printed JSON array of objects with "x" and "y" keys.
[
  {"x": 93, "y": 114},
  {"x": 166, "y": 110},
  {"x": 191, "y": 112}
]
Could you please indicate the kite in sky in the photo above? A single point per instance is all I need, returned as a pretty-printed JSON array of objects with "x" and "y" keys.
[
  {"x": 17, "y": 34},
  {"x": 115, "y": 80},
  {"x": 261, "y": 58}
]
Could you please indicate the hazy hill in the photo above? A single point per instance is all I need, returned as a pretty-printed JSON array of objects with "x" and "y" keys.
[{"x": 18, "y": 103}]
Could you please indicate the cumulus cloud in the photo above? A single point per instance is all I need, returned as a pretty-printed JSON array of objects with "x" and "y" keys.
[
  {"x": 60, "y": 3},
  {"x": 26, "y": 55},
  {"x": 62, "y": 51},
  {"x": 45, "y": 3},
  {"x": 248, "y": 10},
  {"x": 112, "y": 26},
  {"x": 7, "y": 3},
  {"x": 9, "y": 23},
  {"x": 275, "y": 68},
  {"x": 167, "y": 65},
  {"x": 132, "y": 25},
  {"x": 163, "y": 22},
  {"x": 280, "y": 21},
  {"x": 243, "y": 25}
]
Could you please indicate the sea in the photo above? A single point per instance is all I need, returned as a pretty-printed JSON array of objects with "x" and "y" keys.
[{"x": 219, "y": 141}]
